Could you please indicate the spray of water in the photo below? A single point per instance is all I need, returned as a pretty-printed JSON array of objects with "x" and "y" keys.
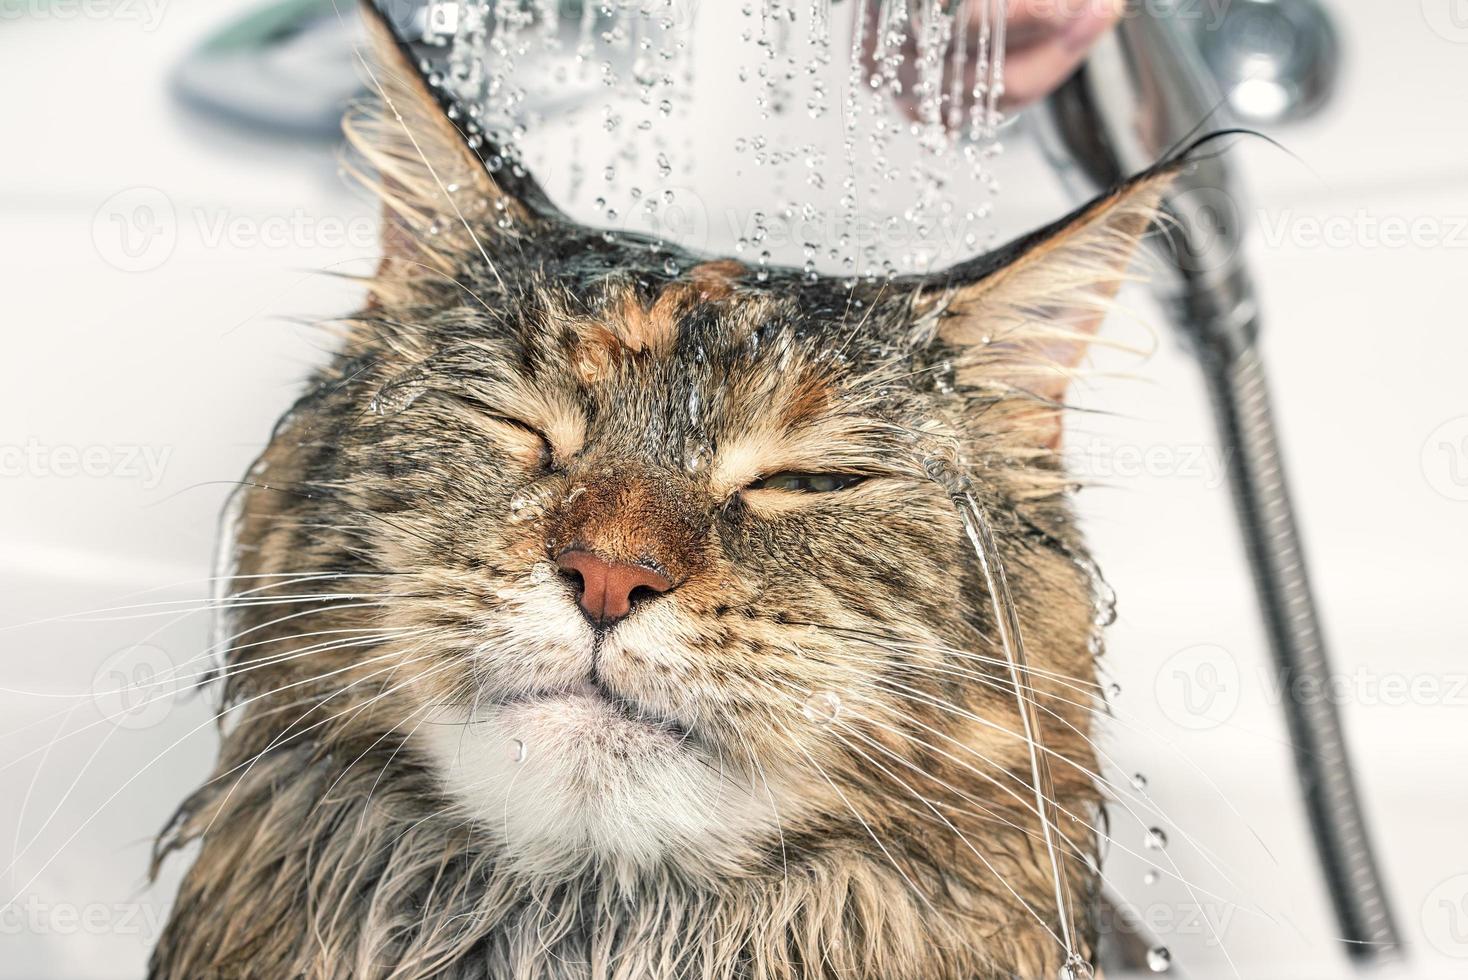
[{"x": 868, "y": 127}]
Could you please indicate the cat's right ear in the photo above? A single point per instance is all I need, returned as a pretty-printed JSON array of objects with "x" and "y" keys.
[{"x": 444, "y": 191}]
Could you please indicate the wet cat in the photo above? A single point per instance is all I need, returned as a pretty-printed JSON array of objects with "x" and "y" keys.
[{"x": 597, "y": 613}]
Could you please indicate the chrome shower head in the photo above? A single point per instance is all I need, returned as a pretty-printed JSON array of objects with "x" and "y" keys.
[
  {"x": 1277, "y": 60},
  {"x": 1143, "y": 95}
]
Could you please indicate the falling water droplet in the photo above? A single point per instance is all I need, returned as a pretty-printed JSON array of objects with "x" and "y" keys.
[
  {"x": 1113, "y": 691},
  {"x": 1156, "y": 839},
  {"x": 822, "y": 708},
  {"x": 1150, "y": 878},
  {"x": 1139, "y": 782},
  {"x": 1159, "y": 959},
  {"x": 644, "y": 71}
]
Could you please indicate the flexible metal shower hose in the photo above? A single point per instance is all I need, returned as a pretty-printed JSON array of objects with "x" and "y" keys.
[{"x": 1237, "y": 384}]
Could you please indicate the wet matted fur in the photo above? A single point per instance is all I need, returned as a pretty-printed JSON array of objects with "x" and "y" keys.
[{"x": 805, "y": 760}]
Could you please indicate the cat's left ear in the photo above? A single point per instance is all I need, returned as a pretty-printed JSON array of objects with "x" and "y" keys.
[
  {"x": 1027, "y": 312},
  {"x": 440, "y": 184}
]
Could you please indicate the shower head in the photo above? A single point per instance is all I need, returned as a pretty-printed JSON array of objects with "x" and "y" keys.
[{"x": 1144, "y": 94}]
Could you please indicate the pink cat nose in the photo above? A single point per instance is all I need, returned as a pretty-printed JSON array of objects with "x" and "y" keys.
[{"x": 607, "y": 589}]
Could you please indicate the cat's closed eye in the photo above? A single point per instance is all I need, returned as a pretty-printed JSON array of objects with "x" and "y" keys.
[
  {"x": 807, "y": 482},
  {"x": 524, "y": 441}
]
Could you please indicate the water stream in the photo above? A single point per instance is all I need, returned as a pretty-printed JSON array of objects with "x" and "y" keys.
[{"x": 866, "y": 129}]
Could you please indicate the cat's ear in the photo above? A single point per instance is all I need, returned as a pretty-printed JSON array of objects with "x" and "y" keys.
[
  {"x": 443, "y": 189},
  {"x": 1025, "y": 314}
]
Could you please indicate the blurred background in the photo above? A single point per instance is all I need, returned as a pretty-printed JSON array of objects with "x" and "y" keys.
[{"x": 165, "y": 254}]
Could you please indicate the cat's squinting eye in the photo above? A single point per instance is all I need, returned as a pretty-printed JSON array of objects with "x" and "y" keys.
[{"x": 807, "y": 482}]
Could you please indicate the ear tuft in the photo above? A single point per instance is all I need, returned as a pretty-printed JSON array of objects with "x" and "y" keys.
[
  {"x": 439, "y": 197},
  {"x": 1028, "y": 314}
]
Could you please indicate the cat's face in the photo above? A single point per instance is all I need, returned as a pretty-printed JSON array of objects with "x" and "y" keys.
[
  {"x": 673, "y": 536},
  {"x": 649, "y": 566}
]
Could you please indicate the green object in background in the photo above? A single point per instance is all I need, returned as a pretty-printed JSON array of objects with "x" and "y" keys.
[{"x": 289, "y": 68}]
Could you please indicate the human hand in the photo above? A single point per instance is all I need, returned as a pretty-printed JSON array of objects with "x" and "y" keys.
[{"x": 1046, "y": 40}]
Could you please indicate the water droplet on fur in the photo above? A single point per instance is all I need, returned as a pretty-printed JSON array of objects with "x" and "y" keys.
[
  {"x": 942, "y": 471},
  {"x": 945, "y": 377},
  {"x": 573, "y": 494},
  {"x": 1155, "y": 840},
  {"x": 526, "y": 507},
  {"x": 670, "y": 266},
  {"x": 1159, "y": 959},
  {"x": 395, "y": 396},
  {"x": 518, "y": 751},
  {"x": 1077, "y": 969},
  {"x": 822, "y": 708},
  {"x": 697, "y": 456}
]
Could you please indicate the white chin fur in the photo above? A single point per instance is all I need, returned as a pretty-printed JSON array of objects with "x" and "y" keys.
[{"x": 591, "y": 783}]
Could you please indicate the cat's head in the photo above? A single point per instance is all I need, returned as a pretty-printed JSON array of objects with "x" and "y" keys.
[{"x": 644, "y": 548}]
